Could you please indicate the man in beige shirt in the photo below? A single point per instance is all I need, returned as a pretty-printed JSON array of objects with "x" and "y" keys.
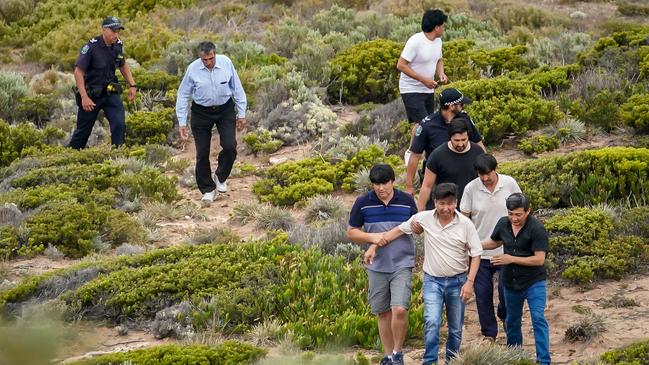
[
  {"x": 484, "y": 202},
  {"x": 450, "y": 241}
]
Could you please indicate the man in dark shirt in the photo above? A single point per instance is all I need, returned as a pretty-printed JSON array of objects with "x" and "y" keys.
[
  {"x": 525, "y": 243},
  {"x": 94, "y": 73},
  {"x": 432, "y": 131},
  {"x": 451, "y": 162}
]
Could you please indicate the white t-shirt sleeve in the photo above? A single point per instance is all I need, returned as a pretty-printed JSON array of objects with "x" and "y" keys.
[
  {"x": 475, "y": 246},
  {"x": 410, "y": 50},
  {"x": 466, "y": 203}
]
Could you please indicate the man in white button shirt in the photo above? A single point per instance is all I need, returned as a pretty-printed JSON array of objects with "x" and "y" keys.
[
  {"x": 214, "y": 87},
  {"x": 450, "y": 243},
  {"x": 420, "y": 59},
  {"x": 484, "y": 202}
]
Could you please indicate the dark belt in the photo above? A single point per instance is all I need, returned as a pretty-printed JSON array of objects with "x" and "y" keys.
[{"x": 214, "y": 108}]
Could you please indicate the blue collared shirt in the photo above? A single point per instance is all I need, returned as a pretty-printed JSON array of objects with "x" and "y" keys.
[{"x": 210, "y": 88}]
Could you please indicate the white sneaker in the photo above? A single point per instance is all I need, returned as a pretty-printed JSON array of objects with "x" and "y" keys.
[
  {"x": 221, "y": 187},
  {"x": 208, "y": 197},
  {"x": 406, "y": 156}
]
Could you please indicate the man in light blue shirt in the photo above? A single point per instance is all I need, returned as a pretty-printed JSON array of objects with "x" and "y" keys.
[{"x": 215, "y": 89}]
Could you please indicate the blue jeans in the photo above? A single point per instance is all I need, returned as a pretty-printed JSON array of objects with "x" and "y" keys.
[
  {"x": 440, "y": 291},
  {"x": 484, "y": 298},
  {"x": 535, "y": 296}
]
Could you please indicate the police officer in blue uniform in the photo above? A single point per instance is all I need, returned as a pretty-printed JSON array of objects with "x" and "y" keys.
[
  {"x": 432, "y": 132},
  {"x": 97, "y": 86}
]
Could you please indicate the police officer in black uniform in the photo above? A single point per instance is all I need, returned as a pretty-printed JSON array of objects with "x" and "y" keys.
[
  {"x": 432, "y": 131},
  {"x": 97, "y": 86}
]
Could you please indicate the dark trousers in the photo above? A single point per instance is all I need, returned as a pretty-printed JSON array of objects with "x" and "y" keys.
[
  {"x": 203, "y": 120},
  {"x": 484, "y": 298},
  {"x": 418, "y": 105},
  {"x": 114, "y": 111}
]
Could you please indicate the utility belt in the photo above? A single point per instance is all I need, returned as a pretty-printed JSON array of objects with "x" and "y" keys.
[{"x": 95, "y": 93}]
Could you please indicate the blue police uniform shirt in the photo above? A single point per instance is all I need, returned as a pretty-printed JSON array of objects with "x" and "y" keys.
[
  {"x": 210, "y": 87},
  {"x": 432, "y": 132},
  {"x": 373, "y": 216},
  {"x": 99, "y": 62}
]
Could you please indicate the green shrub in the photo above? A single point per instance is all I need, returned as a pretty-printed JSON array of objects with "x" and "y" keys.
[
  {"x": 582, "y": 249},
  {"x": 37, "y": 109},
  {"x": 635, "y": 112},
  {"x": 285, "y": 37},
  {"x": 311, "y": 294},
  {"x": 550, "y": 80},
  {"x": 561, "y": 50},
  {"x": 14, "y": 140},
  {"x": 9, "y": 242},
  {"x": 634, "y": 354},
  {"x": 633, "y": 222},
  {"x": 292, "y": 182},
  {"x": 507, "y": 17},
  {"x": 153, "y": 79},
  {"x": 229, "y": 352},
  {"x": 262, "y": 141},
  {"x": 69, "y": 226},
  {"x": 149, "y": 127},
  {"x": 631, "y": 9},
  {"x": 586, "y": 177},
  {"x": 62, "y": 44},
  {"x": 50, "y": 15},
  {"x": 366, "y": 72},
  {"x": 502, "y": 105},
  {"x": 456, "y": 60},
  {"x": 502, "y": 60},
  {"x": 497, "y": 117},
  {"x": 12, "y": 88},
  {"x": 538, "y": 144},
  {"x": 602, "y": 110}
]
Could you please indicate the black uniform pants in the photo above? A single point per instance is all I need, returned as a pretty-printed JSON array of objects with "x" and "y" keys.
[
  {"x": 114, "y": 111},
  {"x": 203, "y": 120}
]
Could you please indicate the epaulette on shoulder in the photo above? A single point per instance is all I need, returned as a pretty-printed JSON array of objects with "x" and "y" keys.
[{"x": 94, "y": 40}]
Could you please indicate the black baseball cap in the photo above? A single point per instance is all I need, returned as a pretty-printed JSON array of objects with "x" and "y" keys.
[
  {"x": 453, "y": 96},
  {"x": 112, "y": 23}
]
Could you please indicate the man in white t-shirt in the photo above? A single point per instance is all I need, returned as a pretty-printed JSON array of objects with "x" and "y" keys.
[
  {"x": 420, "y": 59},
  {"x": 484, "y": 202}
]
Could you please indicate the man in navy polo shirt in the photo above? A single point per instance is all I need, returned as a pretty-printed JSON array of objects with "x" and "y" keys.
[{"x": 389, "y": 265}]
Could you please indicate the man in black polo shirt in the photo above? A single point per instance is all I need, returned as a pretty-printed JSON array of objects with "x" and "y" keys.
[
  {"x": 451, "y": 162},
  {"x": 432, "y": 131},
  {"x": 525, "y": 242},
  {"x": 94, "y": 73}
]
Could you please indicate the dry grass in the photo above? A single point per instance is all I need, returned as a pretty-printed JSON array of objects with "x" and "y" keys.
[{"x": 587, "y": 328}]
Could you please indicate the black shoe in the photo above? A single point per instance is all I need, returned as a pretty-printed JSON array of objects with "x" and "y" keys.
[{"x": 386, "y": 361}]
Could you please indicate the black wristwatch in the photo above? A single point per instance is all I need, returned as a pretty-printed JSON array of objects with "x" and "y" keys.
[{"x": 134, "y": 85}]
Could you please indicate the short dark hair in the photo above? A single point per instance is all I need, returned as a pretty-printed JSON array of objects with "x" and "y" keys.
[
  {"x": 458, "y": 125},
  {"x": 381, "y": 174},
  {"x": 485, "y": 163},
  {"x": 517, "y": 200},
  {"x": 431, "y": 19},
  {"x": 206, "y": 47},
  {"x": 445, "y": 190}
]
